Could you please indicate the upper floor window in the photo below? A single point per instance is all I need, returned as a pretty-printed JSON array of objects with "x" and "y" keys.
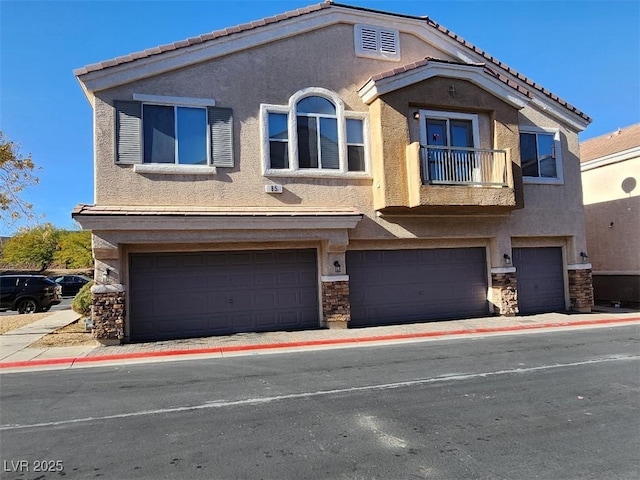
[
  {"x": 540, "y": 154},
  {"x": 377, "y": 42},
  {"x": 313, "y": 135},
  {"x": 165, "y": 131},
  {"x": 175, "y": 135}
]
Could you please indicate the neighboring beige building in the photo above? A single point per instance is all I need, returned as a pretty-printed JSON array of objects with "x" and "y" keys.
[
  {"x": 328, "y": 167},
  {"x": 610, "y": 176}
]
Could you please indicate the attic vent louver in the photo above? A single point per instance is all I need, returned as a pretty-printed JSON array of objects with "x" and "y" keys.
[
  {"x": 377, "y": 42},
  {"x": 369, "y": 39}
]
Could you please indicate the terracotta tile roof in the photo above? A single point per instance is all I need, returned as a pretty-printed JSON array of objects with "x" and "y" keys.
[
  {"x": 200, "y": 39},
  {"x": 506, "y": 67},
  {"x": 427, "y": 60},
  {"x": 304, "y": 11},
  {"x": 189, "y": 211},
  {"x": 610, "y": 143}
]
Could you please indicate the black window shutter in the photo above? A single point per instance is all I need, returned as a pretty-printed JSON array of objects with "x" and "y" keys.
[
  {"x": 221, "y": 128},
  {"x": 128, "y": 132}
]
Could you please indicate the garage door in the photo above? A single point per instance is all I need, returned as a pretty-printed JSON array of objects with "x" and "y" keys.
[
  {"x": 403, "y": 286},
  {"x": 540, "y": 279},
  {"x": 181, "y": 295}
]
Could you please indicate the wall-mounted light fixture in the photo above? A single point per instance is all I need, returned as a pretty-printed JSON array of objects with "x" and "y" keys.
[
  {"x": 105, "y": 275},
  {"x": 336, "y": 265},
  {"x": 507, "y": 259},
  {"x": 416, "y": 115},
  {"x": 584, "y": 257}
]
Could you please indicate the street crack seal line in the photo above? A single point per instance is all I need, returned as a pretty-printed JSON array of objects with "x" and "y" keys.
[{"x": 320, "y": 393}]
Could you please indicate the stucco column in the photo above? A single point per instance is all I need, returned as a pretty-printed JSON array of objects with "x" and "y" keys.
[
  {"x": 504, "y": 279},
  {"x": 336, "y": 306},
  {"x": 108, "y": 312}
]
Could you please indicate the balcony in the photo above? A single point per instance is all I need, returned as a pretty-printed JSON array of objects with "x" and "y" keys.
[
  {"x": 457, "y": 181},
  {"x": 463, "y": 166}
]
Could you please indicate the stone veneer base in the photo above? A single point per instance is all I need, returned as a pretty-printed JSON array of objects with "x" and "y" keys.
[
  {"x": 107, "y": 315},
  {"x": 505, "y": 293},
  {"x": 336, "y": 308},
  {"x": 580, "y": 289}
]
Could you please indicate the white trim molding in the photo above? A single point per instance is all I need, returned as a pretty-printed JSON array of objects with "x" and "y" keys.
[
  {"x": 579, "y": 266},
  {"x": 111, "y": 288},
  {"x": 610, "y": 159},
  {"x": 173, "y": 101},
  {"x": 557, "y": 145},
  {"x": 334, "y": 278},
  {"x": 173, "y": 169},
  {"x": 472, "y": 73},
  {"x": 503, "y": 269}
]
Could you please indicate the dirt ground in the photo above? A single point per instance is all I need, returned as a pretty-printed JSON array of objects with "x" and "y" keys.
[
  {"x": 11, "y": 322},
  {"x": 72, "y": 335}
]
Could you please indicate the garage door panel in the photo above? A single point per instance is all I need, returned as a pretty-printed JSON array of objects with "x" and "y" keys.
[
  {"x": 403, "y": 286},
  {"x": 175, "y": 295},
  {"x": 540, "y": 278}
]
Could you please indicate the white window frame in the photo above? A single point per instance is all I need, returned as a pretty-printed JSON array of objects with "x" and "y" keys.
[
  {"x": 559, "y": 180},
  {"x": 442, "y": 115},
  {"x": 292, "y": 126},
  {"x": 176, "y": 167},
  {"x": 379, "y": 51},
  {"x": 175, "y": 139}
]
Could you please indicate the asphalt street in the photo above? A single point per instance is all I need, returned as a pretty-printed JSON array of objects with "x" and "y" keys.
[{"x": 558, "y": 405}]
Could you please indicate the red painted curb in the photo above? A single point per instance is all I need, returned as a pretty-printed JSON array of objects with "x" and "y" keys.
[{"x": 308, "y": 343}]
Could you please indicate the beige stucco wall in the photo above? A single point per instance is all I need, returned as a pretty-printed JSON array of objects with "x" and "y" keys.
[
  {"x": 271, "y": 74},
  {"x": 264, "y": 75},
  {"x": 498, "y": 129},
  {"x": 610, "y": 182},
  {"x": 612, "y": 206}
]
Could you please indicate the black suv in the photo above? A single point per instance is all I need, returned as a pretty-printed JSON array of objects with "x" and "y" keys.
[{"x": 28, "y": 293}]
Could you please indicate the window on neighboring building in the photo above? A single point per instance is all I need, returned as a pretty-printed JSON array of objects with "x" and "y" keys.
[
  {"x": 156, "y": 130},
  {"x": 314, "y": 134},
  {"x": 540, "y": 156}
]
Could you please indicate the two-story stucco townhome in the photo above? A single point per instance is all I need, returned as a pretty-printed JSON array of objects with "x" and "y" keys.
[{"x": 331, "y": 166}]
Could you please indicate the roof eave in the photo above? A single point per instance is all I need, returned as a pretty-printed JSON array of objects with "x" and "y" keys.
[{"x": 472, "y": 73}]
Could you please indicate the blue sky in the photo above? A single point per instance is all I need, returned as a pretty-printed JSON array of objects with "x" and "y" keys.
[{"x": 587, "y": 52}]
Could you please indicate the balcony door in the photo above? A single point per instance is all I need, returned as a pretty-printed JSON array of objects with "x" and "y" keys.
[{"x": 441, "y": 132}]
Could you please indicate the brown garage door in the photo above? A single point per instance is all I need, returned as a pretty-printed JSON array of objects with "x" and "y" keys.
[
  {"x": 540, "y": 279},
  {"x": 181, "y": 295},
  {"x": 403, "y": 286}
]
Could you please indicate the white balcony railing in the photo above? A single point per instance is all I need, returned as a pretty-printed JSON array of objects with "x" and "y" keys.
[{"x": 463, "y": 166}]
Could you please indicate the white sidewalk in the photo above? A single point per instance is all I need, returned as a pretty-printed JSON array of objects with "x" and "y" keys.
[{"x": 14, "y": 342}]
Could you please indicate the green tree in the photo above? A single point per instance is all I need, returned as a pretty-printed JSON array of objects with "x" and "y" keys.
[
  {"x": 74, "y": 249},
  {"x": 16, "y": 174},
  {"x": 32, "y": 247}
]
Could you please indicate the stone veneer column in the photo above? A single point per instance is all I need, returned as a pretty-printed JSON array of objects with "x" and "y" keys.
[
  {"x": 108, "y": 313},
  {"x": 504, "y": 287},
  {"x": 336, "y": 307},
  {"x": 580, "y": 287}
]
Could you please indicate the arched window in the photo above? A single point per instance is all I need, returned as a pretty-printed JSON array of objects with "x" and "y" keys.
[
  {"x": 317, "y": 129},
  {"x": 313, "y": 135}
]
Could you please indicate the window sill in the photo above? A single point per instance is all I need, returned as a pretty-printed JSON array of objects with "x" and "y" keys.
[
  {"x": 542, "y": 181},
  {"x": 174, "y": 169},
  {"x": 318, "y": 174}
]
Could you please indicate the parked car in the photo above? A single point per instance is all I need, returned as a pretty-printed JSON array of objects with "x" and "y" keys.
[
  {"x": 28, "y": 293},
  {"x": 71, "y": 284}
]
